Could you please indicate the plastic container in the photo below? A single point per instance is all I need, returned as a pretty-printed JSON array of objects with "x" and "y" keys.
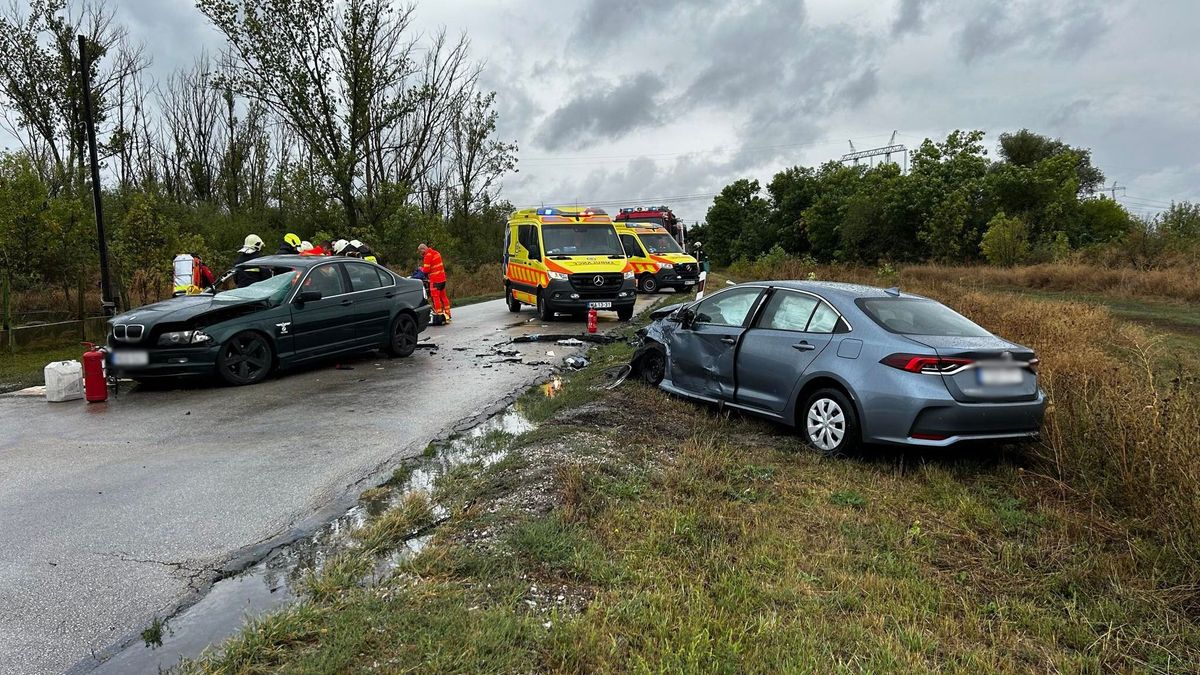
[{"x": 64, "y": 381}]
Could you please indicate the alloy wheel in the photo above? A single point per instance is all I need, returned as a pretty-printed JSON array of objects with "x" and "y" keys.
[
  {"x": 404, "y": 335},
  {"x": 246, "y": 359},
  {"x": 826, "y": 424}
]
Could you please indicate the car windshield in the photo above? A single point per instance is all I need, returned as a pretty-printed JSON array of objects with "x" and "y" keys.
[
  {"x": 581, "y": 240},
  {"x": 910, "y": 316},
  {"x": 660, "y": 243},
  {"x": 273, "y": 290}
]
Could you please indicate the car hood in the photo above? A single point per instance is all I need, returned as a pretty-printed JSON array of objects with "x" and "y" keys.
[
  {"x": 179, "y": 309},
  {"x": 666, "y": 311}
]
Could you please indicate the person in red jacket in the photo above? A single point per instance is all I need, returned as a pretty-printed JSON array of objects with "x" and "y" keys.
[{"x": 432, "y": 266}]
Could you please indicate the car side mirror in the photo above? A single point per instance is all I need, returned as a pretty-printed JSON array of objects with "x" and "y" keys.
[
  {"x": 687, "y": 316},
  {"x": 308, "y": 296}
]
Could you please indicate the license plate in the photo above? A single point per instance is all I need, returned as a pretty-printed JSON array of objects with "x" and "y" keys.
[
  {"x": 993, "y": 377},
  {"x": 132, "y": 358},
  {"x": 599, "y": 305},
  {"x": 689, "y": 283}
]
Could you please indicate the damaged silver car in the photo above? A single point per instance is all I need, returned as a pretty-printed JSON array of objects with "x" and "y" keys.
[{"x": 845, "y": 364}]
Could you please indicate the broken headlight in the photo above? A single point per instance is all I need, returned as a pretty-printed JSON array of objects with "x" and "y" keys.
[{"x": 180, "y": 338}]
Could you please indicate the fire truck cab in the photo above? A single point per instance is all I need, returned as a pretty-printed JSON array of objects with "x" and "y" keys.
[
  {"x": 653, "y": 215},
  {"x": 657, "y": 258},
  {"x": 566, "y": 260}
]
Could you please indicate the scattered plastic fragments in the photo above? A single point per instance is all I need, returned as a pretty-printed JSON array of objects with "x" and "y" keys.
[
  {"x": 576, "y": 362},
  {"x": 570, "y": 342},
  {"x": 597, "y": 338}
]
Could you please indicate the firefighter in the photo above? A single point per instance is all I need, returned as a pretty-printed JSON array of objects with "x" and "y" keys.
[
  {"x": 191, "y": 275},
  {"x": 341, "y": 247},
  {"x": 431, "y": 265},
  {"x": 290, "y": 245},
  {"x": 363, "y": 251},
  {"x": 251, "y": 249}
]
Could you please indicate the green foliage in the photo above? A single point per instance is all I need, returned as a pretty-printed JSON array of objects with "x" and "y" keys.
[
  {"x": 1181, "y": 221},
  {"x": 1006, "y": 242},
  {"x": 938, "y": 211}
]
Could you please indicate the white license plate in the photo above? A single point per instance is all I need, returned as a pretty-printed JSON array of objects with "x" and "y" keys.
[
  {"x": 131, "y": 358},
  {"x": 689, "y": 283},
  {"x": 1000, "y": 376},
  {"x": 599, "y": 305}
]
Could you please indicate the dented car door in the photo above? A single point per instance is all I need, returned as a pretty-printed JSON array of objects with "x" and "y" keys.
[{"x": 702, "y": 351}]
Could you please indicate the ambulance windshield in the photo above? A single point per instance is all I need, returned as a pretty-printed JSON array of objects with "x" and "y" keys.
[
  {"x": 660, "y": 243},
  {"x": 572, "y": 240}
]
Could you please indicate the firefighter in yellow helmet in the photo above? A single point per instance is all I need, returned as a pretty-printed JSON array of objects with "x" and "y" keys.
[{"x": 290, "y": 245}]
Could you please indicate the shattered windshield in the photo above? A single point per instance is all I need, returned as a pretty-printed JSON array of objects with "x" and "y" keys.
[{"x": 273, "y": 290}]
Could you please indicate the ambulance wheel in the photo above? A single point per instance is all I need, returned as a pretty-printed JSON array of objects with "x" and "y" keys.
[
  {"x": 403, "y": 340},
  {"x": 625, "y": 313},
  {"x": 543, "y": 308},
  {"x": 649, "y": 283},
  {"x": 245, "y": 358},
  {"x": 514, "y": 305}
]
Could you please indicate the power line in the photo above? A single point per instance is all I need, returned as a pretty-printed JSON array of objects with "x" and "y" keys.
[{"x": 710, "y": 151}]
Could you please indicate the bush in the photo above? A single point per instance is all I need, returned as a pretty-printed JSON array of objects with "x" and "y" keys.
[{"x": 1006, "y": 241}]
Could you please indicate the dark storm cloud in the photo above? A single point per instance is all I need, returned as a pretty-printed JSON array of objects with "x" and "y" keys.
[
  {"x": 910, "y": 17},
  {"x": 603, "y": 112},
  {"x": 1066, "y": 30}
]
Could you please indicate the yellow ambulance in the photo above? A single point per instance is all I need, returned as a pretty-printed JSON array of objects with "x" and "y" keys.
[
  {"x": 658, "y": 260},
  {"x": 566, "y": 260}
]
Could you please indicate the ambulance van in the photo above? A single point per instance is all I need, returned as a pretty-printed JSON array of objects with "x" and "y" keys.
[
  {"x": 566, "y": 260},
  {"x": 658, "y": 260}
]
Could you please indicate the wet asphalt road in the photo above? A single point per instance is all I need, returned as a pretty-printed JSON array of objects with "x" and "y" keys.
[{"x": 114, "y": 513}]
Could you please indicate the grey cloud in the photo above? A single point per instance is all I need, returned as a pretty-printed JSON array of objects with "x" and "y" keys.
[
  {"x": 1066, "y": 30},
  {"x": 1068, "y": 113},
  {"x": 910, "y": 17},
  {"x": 604, "y": 113}
]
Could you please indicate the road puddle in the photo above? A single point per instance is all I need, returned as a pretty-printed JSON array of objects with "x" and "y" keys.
[{"x": 278, "y": 580}]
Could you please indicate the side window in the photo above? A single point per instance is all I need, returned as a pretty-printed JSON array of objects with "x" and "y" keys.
[
  {"x": 788, "y": 311},
  {"x": 728, "y": 308},
  {"x": 630, "y": 244},
  {"x": 362, "y": 277},
  {"x": 527, "y": 237},
  {"x": 385, "y": 278},
  {"x": 824, "y": 320},
  {"x": 327, "y": 279}
]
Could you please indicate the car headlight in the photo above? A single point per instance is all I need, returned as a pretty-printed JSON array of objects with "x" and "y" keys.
[
  {"x": 666, "y": 266},
  {"x": 180, "y": 338},
  {"x": 629, "y": 274},
  {"x": 557, "y": 275}
]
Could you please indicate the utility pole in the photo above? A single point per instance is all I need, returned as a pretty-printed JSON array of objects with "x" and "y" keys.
[
  {"x": 1112, "y": 189},
  {"x": 106, "y": 298}
]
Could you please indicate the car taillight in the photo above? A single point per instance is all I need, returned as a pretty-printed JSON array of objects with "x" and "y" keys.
[
  {"x": 1033, "y": 364},
  {"x": 923, "y": 363}
]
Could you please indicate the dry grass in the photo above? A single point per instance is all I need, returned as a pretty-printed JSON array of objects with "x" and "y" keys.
[{"x": 1176, "y": 283}]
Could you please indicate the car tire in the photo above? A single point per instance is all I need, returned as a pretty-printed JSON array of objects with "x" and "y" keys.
[
  {"x": 402, "y": 338},
  {"x": 245, "y": 358},
  {"x": 625, "y": 313},
  {"x": 648, "y": 284},
  {"x": 828, "y": 422},
  {"x": 514, "y": 305},
  {"x": 652, "y": 366},
  {"x": 544, "y": 312}
]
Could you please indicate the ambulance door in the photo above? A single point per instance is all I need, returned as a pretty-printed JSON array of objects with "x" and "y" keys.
[{"x": 524, "y": 260}]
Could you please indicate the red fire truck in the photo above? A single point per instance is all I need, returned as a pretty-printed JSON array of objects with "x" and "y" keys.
[{"x": 658, "y": 215}]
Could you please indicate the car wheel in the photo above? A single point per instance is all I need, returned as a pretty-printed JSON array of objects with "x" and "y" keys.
[
  {"x": 625, "y": 313},
  {"x": 649, "y": 283},
  {"x": 652, "y": 367},
  {"x": 514, "y": 305},
  {"x": 245, "y": 358},
  {"x": 403, "y": 340},
  {"x": 829, "y": 423},
  {"x": 543, "y": 308}
]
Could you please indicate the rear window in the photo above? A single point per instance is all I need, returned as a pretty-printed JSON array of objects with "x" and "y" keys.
[{"x": 911, "y": 316}]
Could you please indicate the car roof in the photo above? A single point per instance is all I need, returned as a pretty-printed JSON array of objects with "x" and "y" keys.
[
  {"x": 837, "y": 290},
  {"x": 292, "y": 260}
]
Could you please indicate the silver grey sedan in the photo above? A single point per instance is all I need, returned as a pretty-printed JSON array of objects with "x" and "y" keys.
[{"x": 845, "y": 364}]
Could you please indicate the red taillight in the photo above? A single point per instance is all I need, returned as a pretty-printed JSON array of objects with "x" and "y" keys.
[{"x": 923, "y": 363}]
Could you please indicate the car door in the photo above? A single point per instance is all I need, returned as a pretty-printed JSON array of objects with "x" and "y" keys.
[
  {"x": 371, "y": 309},
  {"x": 323, "y": 326},
  {"x": 702, "y": 352},
  {"x": 791, "y": 331}
]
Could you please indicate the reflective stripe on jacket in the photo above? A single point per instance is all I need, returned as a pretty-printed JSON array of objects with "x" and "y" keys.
[{"x": 432, "y": 265}]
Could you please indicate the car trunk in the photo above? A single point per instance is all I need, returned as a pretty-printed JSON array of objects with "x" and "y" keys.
[{"x": 998, "y": 371}]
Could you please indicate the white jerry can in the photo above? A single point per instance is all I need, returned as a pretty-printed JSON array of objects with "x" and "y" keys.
[
  {"x": 182, "y": 270},
  {"x": 64, "y": 381}
]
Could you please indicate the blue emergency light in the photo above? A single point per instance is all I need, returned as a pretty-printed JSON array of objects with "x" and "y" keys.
[{"x": 547, "y": 212}]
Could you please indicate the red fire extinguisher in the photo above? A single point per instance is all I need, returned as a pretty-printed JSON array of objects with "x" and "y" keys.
[
  {"x": 592, "y": 320},
  {"x": 95, "y": 384}
]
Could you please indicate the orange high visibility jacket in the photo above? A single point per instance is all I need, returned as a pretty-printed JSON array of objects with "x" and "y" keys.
[{"x": 432, "y": 266}]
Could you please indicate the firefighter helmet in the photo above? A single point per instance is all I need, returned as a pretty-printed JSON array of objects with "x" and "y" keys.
[
  {"x": 253, "y": 243},
  {"x": 291, "y": 240},
  {"x": 305, "y": 246},
  {"x": 340, "y": 245}
]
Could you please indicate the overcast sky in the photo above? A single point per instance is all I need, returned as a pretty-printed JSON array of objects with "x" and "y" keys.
[{"x": 640, "y": 101}]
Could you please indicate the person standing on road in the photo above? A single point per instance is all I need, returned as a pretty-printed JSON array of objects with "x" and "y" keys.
[
  {"x": 435, "y": 270},
  {"x": 290, "y": 245},
  {"x": 251, "y": 249}
]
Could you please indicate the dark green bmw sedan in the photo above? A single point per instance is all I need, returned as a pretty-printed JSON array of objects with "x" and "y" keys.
[{"x": 305, "y": 308}]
